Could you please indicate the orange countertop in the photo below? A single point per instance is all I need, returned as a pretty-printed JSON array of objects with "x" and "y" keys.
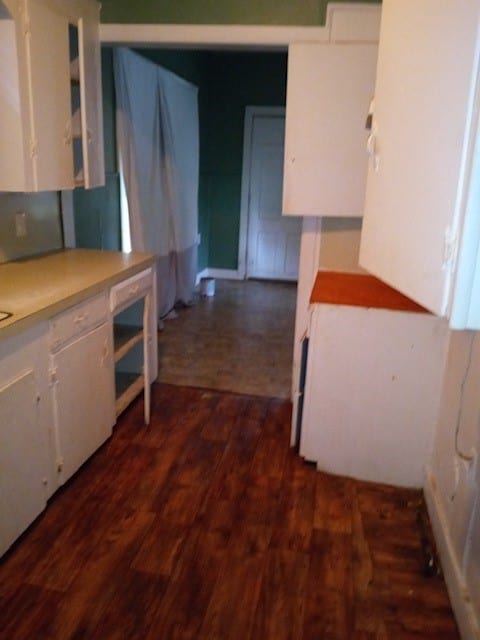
[{"x": 359, "y": 290}]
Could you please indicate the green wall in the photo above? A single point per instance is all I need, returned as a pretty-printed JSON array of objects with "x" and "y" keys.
[
  {"x": 44, "y": 225},
  {"x": 236, "y": 80},
  {"x": 97, "y": 211},
  {"x": 227, "y": 82},
  {"x": 269, "y": 12}
]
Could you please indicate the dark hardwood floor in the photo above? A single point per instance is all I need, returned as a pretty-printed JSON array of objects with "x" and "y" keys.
[{"x": 207, "y": 525}]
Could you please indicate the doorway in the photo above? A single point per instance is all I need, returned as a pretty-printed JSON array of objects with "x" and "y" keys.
[
  {"x": 241, "y": 338},
  {"x": 271, "y": 241}
]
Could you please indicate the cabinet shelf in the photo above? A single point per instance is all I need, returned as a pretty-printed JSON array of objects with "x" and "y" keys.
[
  {"x": 127, "y": 388},
  {"x": 125, "y": 337}
]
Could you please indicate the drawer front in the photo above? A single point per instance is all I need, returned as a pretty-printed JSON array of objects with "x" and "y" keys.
[
  {"x": 75, "y": 321},
  {"x": 130, "y": 290}
]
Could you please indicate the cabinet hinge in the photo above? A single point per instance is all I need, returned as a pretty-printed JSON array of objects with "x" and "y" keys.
[{"x": 450, "y": 245}]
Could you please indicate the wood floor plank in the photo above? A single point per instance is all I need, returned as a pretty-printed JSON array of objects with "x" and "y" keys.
[
  {"x": 333, "y": 503},
  {"x": 280, "y": 609},
  {"x": 234, "y": 600},
  {"x": 296, "y": 516},
  {"x": 86, "y": 601},
  {"x": 131, "y": 610},
  {"x": 207, "y": 525}
]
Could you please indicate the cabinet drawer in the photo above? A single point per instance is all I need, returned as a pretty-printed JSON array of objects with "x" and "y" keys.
[
  {"x": 76, "y": 320},
  {"x": 130, "y": 290}
]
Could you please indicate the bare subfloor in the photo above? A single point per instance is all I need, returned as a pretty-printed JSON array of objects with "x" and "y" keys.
[{"x": 239, "y": 340}]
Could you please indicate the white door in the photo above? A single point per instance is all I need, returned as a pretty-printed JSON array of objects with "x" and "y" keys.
[{"x": 273, "y": 241}]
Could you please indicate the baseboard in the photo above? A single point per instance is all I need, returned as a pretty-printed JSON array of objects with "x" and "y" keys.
[
  {"x": 467, "y": 620},
  {"x": 200, "y": 275},
  {"x": 220, "y": 274}
]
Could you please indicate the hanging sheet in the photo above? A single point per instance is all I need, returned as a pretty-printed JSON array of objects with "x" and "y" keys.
[{"x": 158, "y": 139}]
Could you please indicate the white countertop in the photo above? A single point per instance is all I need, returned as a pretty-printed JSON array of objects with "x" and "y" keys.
[{"x": 37, "y": 288}]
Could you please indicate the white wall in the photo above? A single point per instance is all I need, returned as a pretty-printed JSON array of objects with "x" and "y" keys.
[
  {"x": 340, "y": 244},
  {"x": 453, "y": 480}
]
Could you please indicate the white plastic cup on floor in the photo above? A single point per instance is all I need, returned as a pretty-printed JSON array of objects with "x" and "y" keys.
[{"x": 207, "y": 287}]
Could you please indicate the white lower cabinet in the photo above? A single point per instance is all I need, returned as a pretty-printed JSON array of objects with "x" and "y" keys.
[
  {"x": 26, "y": 471},
  {"x": 81, "y": 374},
  {"x": 57, "y": 394},
  {"x": 372, "y": 390}
]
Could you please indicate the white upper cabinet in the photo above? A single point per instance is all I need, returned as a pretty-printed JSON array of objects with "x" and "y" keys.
[
  {"x": 421, "y": 227},
  {"x": 329, "y": 90},
  {"x": 91, "y": 97},
  {"x": 38, "y": 140},
  {"x": 35, "y": 143}
]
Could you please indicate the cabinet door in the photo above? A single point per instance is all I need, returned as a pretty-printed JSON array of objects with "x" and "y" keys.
[
  {"x": 23, "y": 457},
  {"x": 84, "y": 400},
  {"x": 48, "y": 77},
  {"x": 421, "y": 145},
  {"x": 91, "y": 97},
  {"x": 329, "y": 90}
]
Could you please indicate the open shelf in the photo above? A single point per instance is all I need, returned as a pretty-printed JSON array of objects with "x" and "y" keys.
[
  {"x": 124, "y": 338},
  {"x": 127, "y": 388}
]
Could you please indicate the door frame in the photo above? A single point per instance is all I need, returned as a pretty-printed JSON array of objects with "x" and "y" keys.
[{"x": 250, "y": 114}]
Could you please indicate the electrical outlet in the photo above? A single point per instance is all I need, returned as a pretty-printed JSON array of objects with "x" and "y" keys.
[{"x": 21, "y": 224}]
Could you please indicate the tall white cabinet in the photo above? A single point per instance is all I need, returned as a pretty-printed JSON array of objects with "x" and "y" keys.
[
  {"x": 421, "y": 228},
  {"x": 38, "y": 151}
]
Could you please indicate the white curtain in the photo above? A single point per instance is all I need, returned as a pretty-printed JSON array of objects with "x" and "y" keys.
[{"x": 158, "y": 139}]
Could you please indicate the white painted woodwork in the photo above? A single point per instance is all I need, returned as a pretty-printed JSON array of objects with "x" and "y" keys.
[
  {"x": 83, "y": 397},
  {"x": 329, "y": 90},
  {"x": 140, "y": 287},
  {"x": 345, "y": 21},
  {"x": 472, "y": 558},
  {"x": 372, "y": 392},
  {"x": 26, "y": 478},
  {"x": 77, "y": 320},
  {"x": 452, "y": 489},
  {"x": 273, "y": 241},
  {"x": 91, "y": 97},
  {"x": 463, "y": 604},
  {"x": 39, "y": 122},
  {"x": 36, "y": 148},
  {"x": 57, "y": 391},
  {"x": 422, "y": 188},
  {"x": 307, "y": 271}
]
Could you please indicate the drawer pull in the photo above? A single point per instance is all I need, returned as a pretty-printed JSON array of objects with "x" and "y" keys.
[
  {"x": 133, "y": 289},
  {"x": 81, "y": 318}
]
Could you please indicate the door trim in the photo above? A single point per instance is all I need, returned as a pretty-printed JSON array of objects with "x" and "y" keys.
[{"x": 250, "y": 114}]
